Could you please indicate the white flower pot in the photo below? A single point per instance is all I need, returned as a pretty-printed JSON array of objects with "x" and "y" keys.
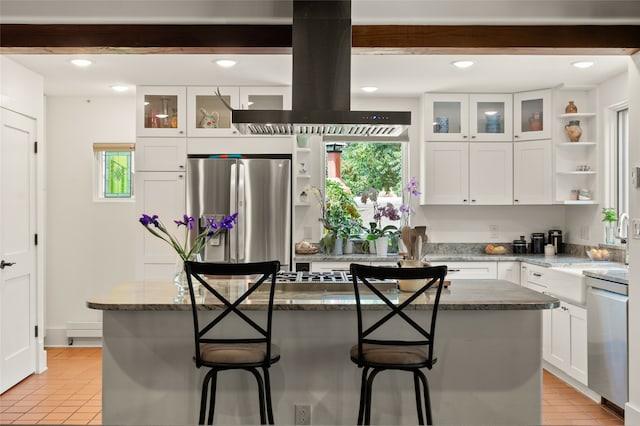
[
  {"x": 382, "y": 244},
  {"x": 348, "y": 247}
]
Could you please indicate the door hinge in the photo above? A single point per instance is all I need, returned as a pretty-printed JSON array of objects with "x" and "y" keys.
[
  {"x": 35, "y": 147},
  {"x": 36, "y": 331},
  {"x": 35, "y": 239}
]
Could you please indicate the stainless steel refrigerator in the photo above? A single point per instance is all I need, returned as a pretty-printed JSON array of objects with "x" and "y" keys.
[{"x": 259, "y": 189}]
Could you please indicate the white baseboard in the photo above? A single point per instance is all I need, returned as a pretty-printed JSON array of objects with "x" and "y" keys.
[
  {"x": 631, "y": 414},
  {"x": 59, "y": 337}
]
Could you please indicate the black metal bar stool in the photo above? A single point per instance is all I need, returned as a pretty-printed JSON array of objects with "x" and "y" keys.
[
  {"x": 248, "y": 354},
  {"x": 375, "y": 355}
]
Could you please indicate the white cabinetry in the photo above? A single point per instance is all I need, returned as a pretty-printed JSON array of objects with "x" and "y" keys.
[
  {"x": 567, "y": 344},
  {"x": 161, "y": 111},
  {"x": 532, "y": 115},
  {"x": 564, "y": 328},
  {"x": 532, "y": 172},
  {"x": 470, "y": 270},
  {"x": 576, "y": 161},
  {"x": 446, "y": 173},
  {"x": 207, "y": 114},
  {"x": 162, "y": 194},
  {"x": 160, "y": 154},
  {"x": 509, "y": 271},
  {"x": 474, "y": 117},
  {"x": 467, "y": 173},
  {"x": 490, "y": 173},
  {"x": 275, "y": 97}
]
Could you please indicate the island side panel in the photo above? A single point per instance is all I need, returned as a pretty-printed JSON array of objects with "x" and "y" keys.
[{"x": 488, "y": 371}]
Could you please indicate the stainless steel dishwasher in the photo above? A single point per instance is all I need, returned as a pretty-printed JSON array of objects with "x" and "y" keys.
[{"x": 607, "y": 304}]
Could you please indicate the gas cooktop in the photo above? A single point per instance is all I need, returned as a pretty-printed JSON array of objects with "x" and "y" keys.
[{"x": 335, "y": 280}]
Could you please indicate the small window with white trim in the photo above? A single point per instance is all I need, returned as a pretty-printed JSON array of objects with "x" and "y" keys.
[{"x": 114, "y": 170}]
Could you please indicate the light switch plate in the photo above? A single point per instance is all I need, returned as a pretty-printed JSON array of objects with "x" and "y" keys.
[{"x": 635, "y": 229}]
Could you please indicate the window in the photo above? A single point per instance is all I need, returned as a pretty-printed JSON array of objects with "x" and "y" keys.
[
  {"x": 114, "y": 170},
  {"x": 622, "y": 161},
  {"x": 356, "y": 168}
]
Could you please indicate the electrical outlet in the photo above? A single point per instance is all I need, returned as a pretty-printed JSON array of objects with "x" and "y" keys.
[
  {"x": 493, "y": 232},
  {"x": 308, "y": 233},
  {"x": 585, "y": 232},
  {"x": 635, "y": 229},
  {"x": 303, "y": 414}
]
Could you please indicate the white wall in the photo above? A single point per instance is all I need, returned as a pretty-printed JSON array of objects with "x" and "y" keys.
[{"x": 90, "y": 245}]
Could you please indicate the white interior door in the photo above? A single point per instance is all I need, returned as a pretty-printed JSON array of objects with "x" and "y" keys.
[{"x": 17, "y": 249}]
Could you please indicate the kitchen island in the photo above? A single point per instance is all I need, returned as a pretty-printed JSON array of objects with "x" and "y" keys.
[{"x": 488, "y": 344}]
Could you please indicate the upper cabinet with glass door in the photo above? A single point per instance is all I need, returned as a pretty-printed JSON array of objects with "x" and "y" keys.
[
  {"x": 490, "y": 117},
  {"x": 160, "y": 111},
  {"x": 207, "y": 114},
  {"x": 532, "y": 115},
  {"x": 277, "y": 97},
  {"x": 446, "y": 117}
]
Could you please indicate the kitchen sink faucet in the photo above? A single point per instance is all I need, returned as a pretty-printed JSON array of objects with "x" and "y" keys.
[{"x": 622, "y": 234}]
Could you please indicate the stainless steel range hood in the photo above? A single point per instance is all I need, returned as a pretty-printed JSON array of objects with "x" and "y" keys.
[{"x": 321, "y": 88}]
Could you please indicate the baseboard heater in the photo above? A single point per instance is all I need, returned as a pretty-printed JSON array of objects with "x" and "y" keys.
[{"x": 91, "y": 330}]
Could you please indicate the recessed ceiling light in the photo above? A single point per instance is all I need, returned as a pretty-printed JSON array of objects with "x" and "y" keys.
[
  {"x": 226, "y": 63},
  {"x": 369, "y": 89},
  {"x": 582, "y": 64},
  {"x": 81, "y": 62},
  {"x": 462, "y": 64},
  {"x": 119, "y": 88}
]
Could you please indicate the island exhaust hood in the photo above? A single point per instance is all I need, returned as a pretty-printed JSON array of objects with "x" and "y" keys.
[{"x": 321, "y": 83}]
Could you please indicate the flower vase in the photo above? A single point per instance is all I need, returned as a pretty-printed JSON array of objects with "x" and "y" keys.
[
  {"x": 382, "y": 245},
  {"x": 348, "y": 246},
  {"x": 610, "y": 232},
  {"x": 337, "y": 247},
  {"x": 180, "y": 278}
]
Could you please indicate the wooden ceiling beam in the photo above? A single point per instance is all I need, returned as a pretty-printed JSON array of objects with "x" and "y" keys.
[{"x": 276, "y": 39}]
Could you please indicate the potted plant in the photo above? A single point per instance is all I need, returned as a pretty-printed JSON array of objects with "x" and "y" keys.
[{"x": 609, "y": 217}]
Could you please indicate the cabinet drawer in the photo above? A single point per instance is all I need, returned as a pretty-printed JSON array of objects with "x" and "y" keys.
[
  {"x": 330, "y": 266},
  {"x": 470, "y": 270},
  {"x": 537, "y": 275}
]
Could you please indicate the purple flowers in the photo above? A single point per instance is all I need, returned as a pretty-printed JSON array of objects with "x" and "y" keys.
[
  {"x": 211, "y": 229},
  {"x": 412, "y": 191},
  {"x": 387, "y": 211},
  {"x": 147, "y": 220}
]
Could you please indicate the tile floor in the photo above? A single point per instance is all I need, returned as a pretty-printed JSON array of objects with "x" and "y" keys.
[{"x": 70, "y": 393}]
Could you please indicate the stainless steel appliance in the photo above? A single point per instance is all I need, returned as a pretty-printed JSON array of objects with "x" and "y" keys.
[
  {"x": 555, "y": 239},
  {"x": 327, "y": 281},
  {"x": 607, "y": 304},
  {"x": 259, "y": 189}
]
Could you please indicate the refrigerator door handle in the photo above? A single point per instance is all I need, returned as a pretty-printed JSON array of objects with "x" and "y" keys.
[
  {"x": 233, "y": 250},
  {"x": 241, "y": 213}
]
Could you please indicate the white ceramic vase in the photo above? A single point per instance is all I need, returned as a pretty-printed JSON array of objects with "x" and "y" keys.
[{"x": 382, "y": 244}]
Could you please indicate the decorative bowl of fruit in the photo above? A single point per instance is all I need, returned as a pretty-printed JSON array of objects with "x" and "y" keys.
[
  {"x": 597, "y": 254},
  {"x": 491, "y": 249}
]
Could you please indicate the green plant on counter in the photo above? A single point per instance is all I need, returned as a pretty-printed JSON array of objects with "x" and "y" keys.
[{"x": 609, "y": 214}]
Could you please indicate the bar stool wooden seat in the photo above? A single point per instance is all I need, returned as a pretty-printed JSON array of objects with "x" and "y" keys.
[
  {"x": 378, "y": 354},
  {"x": 219, "y": 354}
]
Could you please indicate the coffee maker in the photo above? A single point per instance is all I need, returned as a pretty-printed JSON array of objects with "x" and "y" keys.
[{"x": 555, "y": 239}]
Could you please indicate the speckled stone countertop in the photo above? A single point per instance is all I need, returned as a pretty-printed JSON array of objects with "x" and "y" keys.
[
  {"x": 617, "y": 275},
  {"x": 460, "y": 295},
  {"x": 536, "y": 259}
]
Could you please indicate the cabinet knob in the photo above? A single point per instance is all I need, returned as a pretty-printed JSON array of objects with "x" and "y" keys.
[
  {"x": 473, "y": 201},
  {"x": 464, "y": 201},
  {"x": 181, "y": 166},
  {"x": 181, "y": 131},
  {"x": 464, "y": 136},
  {"x": 516, "y": 136},
  {"x": 180, "y": 176},
  {"x": 473, "y": 136},
  {"x": 516, "y": 201}
]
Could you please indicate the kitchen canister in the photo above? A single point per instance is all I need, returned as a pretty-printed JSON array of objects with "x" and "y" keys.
[
  {"x": 549, "y": 250},
  {"x": 442, "y": 125}
]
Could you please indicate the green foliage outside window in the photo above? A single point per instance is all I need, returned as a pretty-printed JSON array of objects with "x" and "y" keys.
[{"x": 372, "y": 165}]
